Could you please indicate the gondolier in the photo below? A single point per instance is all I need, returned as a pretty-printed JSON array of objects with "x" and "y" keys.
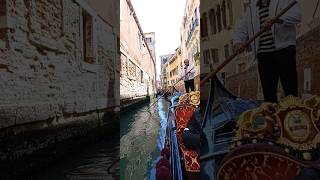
[
  {"x": 275, "y": 49},
  {"x": 187, "y": 74}
]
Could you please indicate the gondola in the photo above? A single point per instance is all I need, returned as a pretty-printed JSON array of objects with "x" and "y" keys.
[
  {"x": 185, "y": 164},
  {"x": 219, "y": 125},
  {"x": 245, "y": 140}
]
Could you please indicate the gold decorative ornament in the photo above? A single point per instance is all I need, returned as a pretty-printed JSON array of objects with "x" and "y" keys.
[
  {"x": 287, "y": 150},
  {"x": 232, "y": 146},
  {"x": 297, "y": 125},
  {"x": 183, "y": 99},
  {"x": 194, "y": 98},
  {"x": 239, "y": 143},
  {"x": 292, "y": 123},
  {"x": 307, "y": 156}
]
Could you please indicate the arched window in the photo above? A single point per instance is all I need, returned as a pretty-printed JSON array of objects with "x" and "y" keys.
[
  {"x": 219, "y": 18},
  {"x": 204, "y": 25},
  {"x": 213, "y": 22},
  {"x": 229, "y": 4},
  {"x": 224, "y": 14}
]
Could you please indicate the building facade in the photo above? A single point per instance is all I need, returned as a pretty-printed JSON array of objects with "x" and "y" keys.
[
  {"x": 57, "y": 61},
  {"x": 190, "y": 37},
  {"x": 137, "y": 75},
  {"x": 218, "y": 19},
  {"x": 164, "y": 72},
  {"x": 151, "y": 42},
  {"x": 174, "y": 69}
]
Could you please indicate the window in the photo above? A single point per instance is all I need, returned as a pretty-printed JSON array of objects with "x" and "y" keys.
[
  {"x": 242, "y": 67},
  {"x": 226, "y": 51},
  {"x": 141, "y": 72},
  {"x": 204, "y": 25},
  {"x": 307, "y": 79},
  {"x": 230, "y": 13},
  {"x": 123, "y": 64},
  {"x": 213, "y": 23},
  {"x": 224, "y": 14},
  {"x": 140, "y": 41},
  {"x": 223, "y": 77},
  {"x": 206, "y": 57},
  {"x": 190, "y": 57},
  {"x": 246, "y": 4},
  {"x": 195, "y": 14},
  {"x": 87, "y": 27},
  {"x": 219, "y": 18},
  {"x": 148, "y": 40},
  {"x": 131, "y": 70},
  {"x": 215, "y": 56}
]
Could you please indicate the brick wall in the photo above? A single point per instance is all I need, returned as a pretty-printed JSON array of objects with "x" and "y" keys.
[
  {"x": 45, "y": 75},
  {"x": 308, "y": 55}
]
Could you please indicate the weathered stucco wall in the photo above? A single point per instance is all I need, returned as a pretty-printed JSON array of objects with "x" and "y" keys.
[
  {"x": 43, "y": 74},
  {"x": 137, "y": 74}
]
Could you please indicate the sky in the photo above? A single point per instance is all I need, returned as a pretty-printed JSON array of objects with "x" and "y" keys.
[{"x": 164, "y": 17}]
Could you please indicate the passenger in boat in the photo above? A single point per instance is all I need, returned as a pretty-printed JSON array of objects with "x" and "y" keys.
[
  {"x": 163, "y": 162},
  {"x": 163, "y": 165},
  {"x": 188, "y": 76},
  {"x": 191, "y": 134},
  {"x": 163, "y": 173},
  {"x": 165, "y": 153},
  {"x": 275, "y": 49}
]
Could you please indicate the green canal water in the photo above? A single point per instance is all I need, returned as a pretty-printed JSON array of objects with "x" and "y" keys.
[{"x": 141, "y": 139}]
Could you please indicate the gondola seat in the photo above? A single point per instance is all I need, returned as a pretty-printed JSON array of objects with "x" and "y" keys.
[
  {"x": 191, "y": 158},
  {"x": 274, "y": 141}
]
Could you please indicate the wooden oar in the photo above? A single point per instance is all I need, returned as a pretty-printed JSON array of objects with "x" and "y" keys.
[
  {"x": 228, "y": 60},
  {"x": 168, "y": 90},
  {"x": 240, "y": 50}
]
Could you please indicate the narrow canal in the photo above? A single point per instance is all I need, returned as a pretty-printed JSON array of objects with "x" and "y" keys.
[
  {"x": 142, "y": 137},
  {"x": 142, "y": 133}
]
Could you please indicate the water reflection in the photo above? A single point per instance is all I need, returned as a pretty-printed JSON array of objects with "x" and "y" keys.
[
  {"x": 93, "y": 162},
  {"x": 142, "y": 135}
]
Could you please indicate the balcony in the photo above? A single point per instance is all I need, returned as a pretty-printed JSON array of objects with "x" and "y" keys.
[{"x": 195, "y": 23}]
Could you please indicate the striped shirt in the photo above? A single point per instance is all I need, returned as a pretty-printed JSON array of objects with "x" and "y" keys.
[{"x": 266, "y": 41}]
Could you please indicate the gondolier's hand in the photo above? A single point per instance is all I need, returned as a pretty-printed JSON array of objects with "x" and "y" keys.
[
  {"x": 270, "y": 21},
  {"x": 237, "y": 47}
]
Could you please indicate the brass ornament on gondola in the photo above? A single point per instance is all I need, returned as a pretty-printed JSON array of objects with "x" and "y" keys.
[
  {"x": 278, "y": 140},
  {"x": 194, "y": 98},
  {"x": 292, "y": 123},
  {"x": 183, "y": 99},
  {"x": 299, "y": 125}
]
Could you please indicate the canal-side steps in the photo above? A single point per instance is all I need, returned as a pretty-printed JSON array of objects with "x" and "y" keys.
[{"x": 29, "y": 152}]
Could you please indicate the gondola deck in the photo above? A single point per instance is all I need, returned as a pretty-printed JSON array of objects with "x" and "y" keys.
[{"x": 246, "y": 141}]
